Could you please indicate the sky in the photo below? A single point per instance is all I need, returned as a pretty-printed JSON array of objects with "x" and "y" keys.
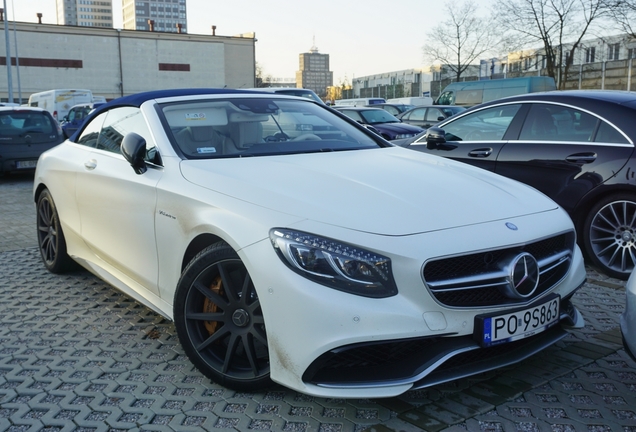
[{"x": 362, "y": 37}]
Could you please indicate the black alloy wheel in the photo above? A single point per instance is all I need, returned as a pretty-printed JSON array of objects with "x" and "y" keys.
[
  {"x": 609, "y": 235},
  {"x": 220, "y": 322},
  {"x": 51, "y": 240}
]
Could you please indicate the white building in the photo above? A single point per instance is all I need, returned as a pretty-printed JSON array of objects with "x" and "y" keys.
[
  {"x": 597, "y": 50},
  {"x": 114, "y": 63},
  {"x": 404, "y": 83}
]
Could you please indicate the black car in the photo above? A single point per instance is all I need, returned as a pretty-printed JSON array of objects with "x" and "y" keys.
[
  {"x": 577, "y": 147},
  {"x": 388, "y": 126},
  {"x": 25, "y": 133},
  {"x": 427, "y": 116}
]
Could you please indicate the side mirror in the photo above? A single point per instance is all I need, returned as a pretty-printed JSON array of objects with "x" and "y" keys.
[
  {"x": 372, "y": 129},
  {"x": 133, "y": 147},
  {"x": 434, "y": 137}
]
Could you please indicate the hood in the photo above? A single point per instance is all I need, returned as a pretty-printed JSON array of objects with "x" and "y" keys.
[{"x": 389, "y": 191}]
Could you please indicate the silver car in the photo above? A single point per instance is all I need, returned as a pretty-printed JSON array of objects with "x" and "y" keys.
[{"x": 628, "y": 317}]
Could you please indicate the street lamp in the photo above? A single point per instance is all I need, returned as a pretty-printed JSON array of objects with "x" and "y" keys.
[{"x": 8, "y": 56}]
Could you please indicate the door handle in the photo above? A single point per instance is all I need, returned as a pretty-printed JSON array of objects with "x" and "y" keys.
[
  {"x": 481, "y": 153},
  {"x": 582, "y": 158},
  {"x": 90, "y": 164}
]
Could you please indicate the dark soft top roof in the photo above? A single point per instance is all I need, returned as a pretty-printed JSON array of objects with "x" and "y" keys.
[
  {"x": 139, "y": 98},
  {"x": 135, "y": 100}
]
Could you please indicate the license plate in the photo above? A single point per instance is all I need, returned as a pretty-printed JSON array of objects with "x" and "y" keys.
[
  {"x": 25, "y": 164},
  {"x": 517, "y": 325}
]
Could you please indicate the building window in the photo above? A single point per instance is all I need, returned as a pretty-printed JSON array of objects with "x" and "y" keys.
[
  {"x": 590, "y": 53},
  {"x": 614, "y": 50}
]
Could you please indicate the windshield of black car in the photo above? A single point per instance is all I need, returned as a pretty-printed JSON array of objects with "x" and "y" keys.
[
  {"x": 239, "y": 127},
  {"x": 377, "y": 116}
]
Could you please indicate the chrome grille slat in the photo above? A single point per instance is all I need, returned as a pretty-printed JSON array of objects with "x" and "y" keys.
[{"x": 479, "y": 279}]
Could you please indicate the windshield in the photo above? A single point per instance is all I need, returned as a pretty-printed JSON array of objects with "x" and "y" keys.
[
  {"x": 242, "y": 127},
  {"x": 376, "y": 115}
]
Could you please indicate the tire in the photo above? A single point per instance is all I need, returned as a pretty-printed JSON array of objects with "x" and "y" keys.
[
  {"x": 609, "y": 235},
  {"x": 51, "y": 241},
  {"x": 219, "y": 320}
]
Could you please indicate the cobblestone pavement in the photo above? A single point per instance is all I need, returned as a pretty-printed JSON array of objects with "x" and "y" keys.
[{"x": 76, "y": 355}]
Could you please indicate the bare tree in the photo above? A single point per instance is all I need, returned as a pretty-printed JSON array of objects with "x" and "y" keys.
[
  {"x": 262, "y": 80},
  {"x": 461, "y": 40},
  {"x": 558, "y": 26},
  {"x": 623, "y": 13}
]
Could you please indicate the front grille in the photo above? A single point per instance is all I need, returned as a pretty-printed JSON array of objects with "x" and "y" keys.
[{"x": 479, "y": 279}]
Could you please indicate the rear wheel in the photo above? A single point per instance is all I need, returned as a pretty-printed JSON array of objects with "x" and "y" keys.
[
  {"x": 609, "y": 235},
  {"x": 220, "y": 322},
  {"x": 51, "y": 240}
]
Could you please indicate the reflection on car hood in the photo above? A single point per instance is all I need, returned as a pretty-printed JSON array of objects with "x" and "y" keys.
[
  {"x": 397, "y": 127},
  {"x": 390, "y": 191}
]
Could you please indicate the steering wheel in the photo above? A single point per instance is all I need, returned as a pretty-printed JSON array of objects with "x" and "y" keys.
[
  {"x": 277, "y": 137},
  {"x": 306, "y": 137}
]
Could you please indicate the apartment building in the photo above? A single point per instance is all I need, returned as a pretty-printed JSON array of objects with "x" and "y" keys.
[
  {"x": 85, "y": 13},
  {"x": 155, "y": 15}
]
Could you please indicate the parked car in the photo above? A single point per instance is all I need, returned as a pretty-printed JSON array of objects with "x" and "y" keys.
[
  {"x": 76, "y": 116},
  {"x": 389, "y": 126},
  {"x": 312, "y": 254},
  {"x": 291, "y": 91},
  {"x": 577, "y": 147},
  {"x": 392, "y": 108},
  {"x": 427, "y": 116},
  {"x": 359, "y": 101},
  {"x": 24, "y": 134},
  {"x": 628, "y": 317}
]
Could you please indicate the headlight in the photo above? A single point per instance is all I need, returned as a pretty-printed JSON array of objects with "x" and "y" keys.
[
  {"x": 335, "y": 264},
  {"x": 406, "y": 135}
]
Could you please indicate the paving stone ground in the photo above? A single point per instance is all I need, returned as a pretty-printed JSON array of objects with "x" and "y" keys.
[{"x": 77, "y": 355}]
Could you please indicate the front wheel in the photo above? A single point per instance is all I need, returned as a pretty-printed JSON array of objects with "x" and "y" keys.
[
  {"x": 219, "y": 320},
  {"x": 609, "y": 235},
  {"x": 51, "y": 240}
]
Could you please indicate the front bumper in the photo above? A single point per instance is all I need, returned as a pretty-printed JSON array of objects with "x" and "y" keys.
[
  {"x": 427, "y": 361},
  {"x": 330, "y": 343}
]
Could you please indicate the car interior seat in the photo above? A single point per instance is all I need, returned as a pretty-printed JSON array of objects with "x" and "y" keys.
[
  {"x": 36, "y": 123},
  {"x": 541, "y": 125},
  {"x": 198, "y": 140},
  {"x": 246, "y": 129}
]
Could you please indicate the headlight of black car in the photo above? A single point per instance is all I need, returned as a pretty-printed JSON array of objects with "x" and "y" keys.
[{"x": 335, "y": 264}]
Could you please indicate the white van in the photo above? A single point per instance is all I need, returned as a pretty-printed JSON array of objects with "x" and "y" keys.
[
  {"x": 417, "y": 101},
  {"x": 470, "y": 93},
  {"x": 58, "y": 102}
]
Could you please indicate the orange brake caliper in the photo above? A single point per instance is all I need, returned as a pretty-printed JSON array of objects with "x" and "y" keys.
[{"x": 211, "y": 307}]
